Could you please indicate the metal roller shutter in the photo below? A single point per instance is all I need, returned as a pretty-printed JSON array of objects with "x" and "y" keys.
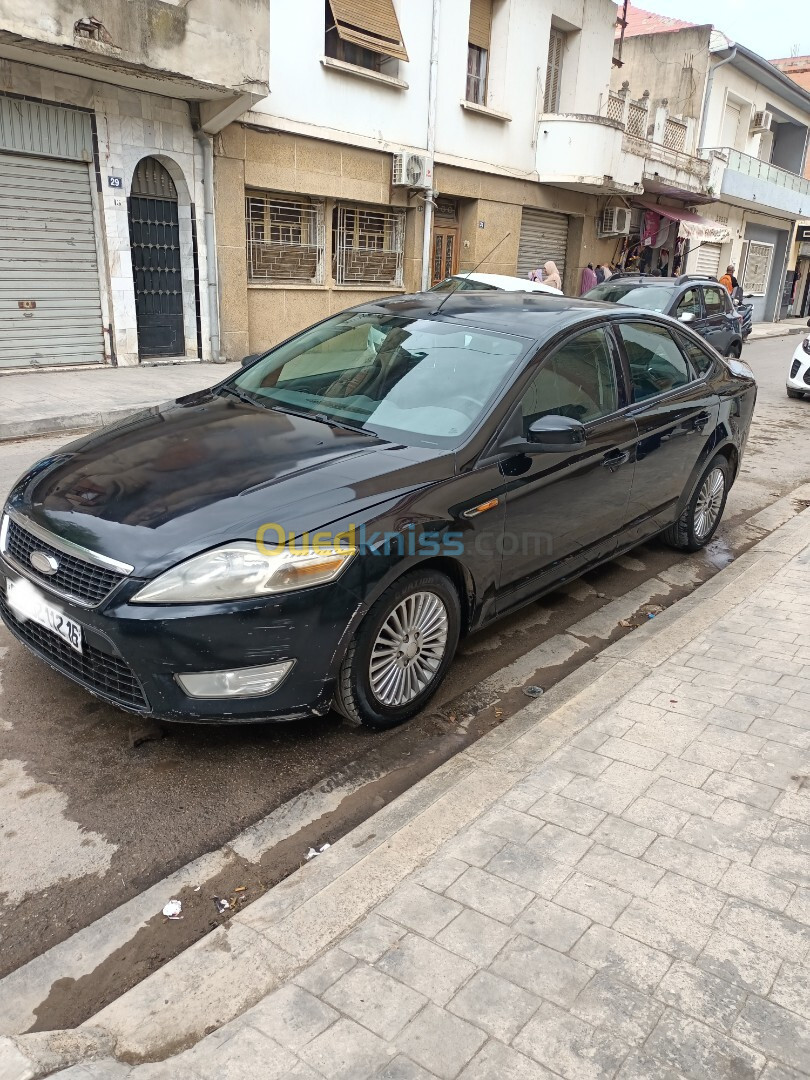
[
  {"x": 707, "y": 259},
  {"x": 50, "y": 307},
  {"x": 543, "y": 237}
]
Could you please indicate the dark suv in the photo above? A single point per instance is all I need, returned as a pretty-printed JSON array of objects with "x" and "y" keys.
[{"x": 701, "y": 302}]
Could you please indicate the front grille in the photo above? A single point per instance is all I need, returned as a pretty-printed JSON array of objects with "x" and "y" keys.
[
  {"x": 109, "y": 675},
  {"x": 76, "y": 577},
  {"x": 794, "y": 368}
]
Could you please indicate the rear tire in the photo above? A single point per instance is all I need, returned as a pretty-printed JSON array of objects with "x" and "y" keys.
[
  {"x": 401, "y": 652},
  {"x": 794, "y": 393},
  {"x": 699, "y": 520}
]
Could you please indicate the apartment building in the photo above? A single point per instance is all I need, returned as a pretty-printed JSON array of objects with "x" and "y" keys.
[
  {"x": 106, "y": 222},
  {"x": 748, "y": 123},
  {"x": 797, "y": 68},
  {"x": 402, "y": 142}
]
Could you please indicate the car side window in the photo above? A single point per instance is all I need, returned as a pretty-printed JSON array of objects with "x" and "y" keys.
[
  {"x": 579, "y": 381},
  {"x": 700, "y": 360},
  {"x": 689, "y": 302},
  {"x": 713, "y": 299},
  {"x": 656, "y": 363}
]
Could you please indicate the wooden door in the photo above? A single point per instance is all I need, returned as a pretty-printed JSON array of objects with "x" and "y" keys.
[{"x": 445, "y": 253}]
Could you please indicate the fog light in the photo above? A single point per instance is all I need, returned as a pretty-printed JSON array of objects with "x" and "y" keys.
[{"x": 243, "y": 682}]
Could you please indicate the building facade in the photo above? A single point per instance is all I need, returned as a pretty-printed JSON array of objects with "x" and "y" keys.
[
  {"x": 403, "y": 142},
  {"x": 748, "y": 122},
  {"x": 797, "y": 68},
  {"x": 106, "y": 222}
]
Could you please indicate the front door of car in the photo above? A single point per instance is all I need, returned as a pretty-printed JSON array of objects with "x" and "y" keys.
[
  {"x": 716, "y": 326},
  {"x": 565, "y": 510},
  {"x": 676, "y": 414}
]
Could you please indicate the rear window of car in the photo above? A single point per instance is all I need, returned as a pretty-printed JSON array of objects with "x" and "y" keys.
[
  {"x": 714, "y": 297},
  {"x": 462, "y": 284},
  {"x": 700, "y": 360},
  {"x": 631, "y": 294}
]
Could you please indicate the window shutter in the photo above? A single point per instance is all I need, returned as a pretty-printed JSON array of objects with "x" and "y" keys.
[
  {"x": 373, "y": 24},
  {"x": 480, "y": 23},
  {"x": 556, "y": 44}
]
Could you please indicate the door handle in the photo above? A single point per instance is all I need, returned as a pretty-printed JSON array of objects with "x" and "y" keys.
[
  {"x": 700, "y": 421},
  {"x": 615, "y": 459}
]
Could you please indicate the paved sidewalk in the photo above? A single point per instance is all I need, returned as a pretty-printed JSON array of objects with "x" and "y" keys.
[
  {"x": 779, "y": 329},
  {"x": 614, "y": 885},
  {"x": 41, "y": 402}
]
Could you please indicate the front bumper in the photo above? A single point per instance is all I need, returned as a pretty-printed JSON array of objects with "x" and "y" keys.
[
  {"x": 132, "y": 652},
  {"x": 799, "y": 371}
]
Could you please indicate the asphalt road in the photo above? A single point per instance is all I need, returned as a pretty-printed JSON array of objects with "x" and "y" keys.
[{"x": 91, "y": 815}]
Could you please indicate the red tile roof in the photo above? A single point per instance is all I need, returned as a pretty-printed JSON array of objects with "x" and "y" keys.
[{"x": 640, "y": 22}]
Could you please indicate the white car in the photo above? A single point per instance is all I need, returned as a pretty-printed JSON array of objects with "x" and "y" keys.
[
  {"x": 798, "y": 380},
  {"x": 483, "y": 282}
]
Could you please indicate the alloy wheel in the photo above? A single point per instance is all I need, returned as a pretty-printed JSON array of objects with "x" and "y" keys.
[
  {"x": 408, "y": 649},
  {"x": 709, "y": 503}
]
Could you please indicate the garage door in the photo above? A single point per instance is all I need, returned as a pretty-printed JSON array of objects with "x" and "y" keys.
[
  {"x": 707, "y": 260},
  {"x": 50, "y": 308},
  {"x": 543, "y": 236}
]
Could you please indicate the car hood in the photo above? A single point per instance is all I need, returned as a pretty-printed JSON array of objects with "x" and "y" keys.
[{"x": 180, "y": 478}]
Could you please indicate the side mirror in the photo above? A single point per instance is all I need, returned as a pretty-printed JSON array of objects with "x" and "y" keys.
[
  {"x": 554, "y": 435},
  {"x": 686, "y": 316},
  {"x": 249, "y": 359}
]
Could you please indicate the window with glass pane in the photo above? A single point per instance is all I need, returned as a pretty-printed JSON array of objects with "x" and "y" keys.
[
  {"x": 285, "y": 239},
  {"x": 579, "y": 381},
  {"x": 656, "y": 363},
  {"x": 476, "y": 75},
  {"x": 689, "y": 302},
  {"x": 700, "y": 360},
  {"x": 713, "y": 298},
  {"x": 367, "y": 245}
]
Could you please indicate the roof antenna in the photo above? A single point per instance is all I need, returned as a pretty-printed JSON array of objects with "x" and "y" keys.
[{"x": 464, "y": 277}]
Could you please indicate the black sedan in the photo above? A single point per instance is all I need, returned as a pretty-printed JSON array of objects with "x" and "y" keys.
[{"x": 319, "y": 529}]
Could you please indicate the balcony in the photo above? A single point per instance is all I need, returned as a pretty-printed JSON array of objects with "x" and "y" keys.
[
  {"x": 203, "y": 52},
  {"x": 585, "y": 153},
  {"x": 757, "y": 185}
]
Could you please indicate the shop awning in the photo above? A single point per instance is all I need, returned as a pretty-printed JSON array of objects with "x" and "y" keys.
[{"x": 690, "y": 225}]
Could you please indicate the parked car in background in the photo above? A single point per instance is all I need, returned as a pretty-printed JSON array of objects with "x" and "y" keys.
[
  {"x": 322, "y": 527},
  {"x": 475, "y": 282},
  {"x": 700, "y": 302},
  {"x": 798, "y": 380}
]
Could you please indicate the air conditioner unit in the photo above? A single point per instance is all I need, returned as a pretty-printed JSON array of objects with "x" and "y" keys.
[
  {"x": 615, "y": 221},
  {"x": 762, "y": 121},
  {"x": 411, "y": 170}
]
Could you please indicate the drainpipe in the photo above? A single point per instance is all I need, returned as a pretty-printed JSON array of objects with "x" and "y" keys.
[
  {"x": 431, "y": 142},
  {"x": 206, "y": 145},
  {"x": 709, "y": 80}
]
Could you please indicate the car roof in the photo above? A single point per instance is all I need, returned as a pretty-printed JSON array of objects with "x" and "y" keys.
[
  {"x": 541, "y": 315},
  {"x": 646, "y": 279},
  {"x": 507, "y": 282}
]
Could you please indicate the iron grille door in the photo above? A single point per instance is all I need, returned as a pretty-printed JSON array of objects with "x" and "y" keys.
[{"x": 154, "y": 236}]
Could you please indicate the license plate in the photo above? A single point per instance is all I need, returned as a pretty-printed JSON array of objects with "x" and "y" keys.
[{"x": 28, "y": 603}]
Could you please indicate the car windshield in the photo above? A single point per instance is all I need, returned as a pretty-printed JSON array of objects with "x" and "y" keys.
[
  {"x": 631, "y": 294},
  {"x": 463, "y": 284},
  {"x": 414, "y": 381}
]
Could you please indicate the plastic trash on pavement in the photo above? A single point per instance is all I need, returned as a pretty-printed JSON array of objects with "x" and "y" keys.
[{"x": 173, "y": 910}]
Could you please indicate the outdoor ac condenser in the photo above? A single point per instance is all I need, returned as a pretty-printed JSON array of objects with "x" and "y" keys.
[
  {"x": 615, "y": 221},
  {"x": 410, "y": 170}
]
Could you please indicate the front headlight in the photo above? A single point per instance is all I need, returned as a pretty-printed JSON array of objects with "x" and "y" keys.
[
  {"x": 238, "y": 571},
  {"x": 806, "y": 344}
]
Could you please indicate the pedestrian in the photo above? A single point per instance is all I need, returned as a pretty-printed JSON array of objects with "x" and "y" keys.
[
  {"x": 588, "y": 281},
  {"x": 728, "y": 281},
  {"x": 551, "y": 276},
  {"x": 600, "y": 273}
]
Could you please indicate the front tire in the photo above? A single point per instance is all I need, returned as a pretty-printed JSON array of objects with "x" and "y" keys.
[
  {"x": 794, "y": 393},
  {"x": 698, "y": 522},
  {"x": 401, "y": 652},
  {"x": 734, "y": 351}
]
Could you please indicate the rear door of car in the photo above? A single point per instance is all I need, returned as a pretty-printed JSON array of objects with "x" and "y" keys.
[{"x": 676, "y": 414}]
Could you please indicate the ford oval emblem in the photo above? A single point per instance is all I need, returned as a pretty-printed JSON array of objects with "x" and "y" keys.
[{"x": 44, "y": 563}]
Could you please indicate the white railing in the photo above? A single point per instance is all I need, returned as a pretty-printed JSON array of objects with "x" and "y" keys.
[
  {"x": 675, "y": 134},
  {"x": 762, "y": 170}
]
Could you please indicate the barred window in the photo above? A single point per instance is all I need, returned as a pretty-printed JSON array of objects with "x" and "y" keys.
[
  {"x": 368, "y": 245},
  {"x": 285, "y": 239}
]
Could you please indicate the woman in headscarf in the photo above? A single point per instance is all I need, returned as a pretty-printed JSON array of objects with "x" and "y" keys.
[
  {"x": 589, "y": 280},
  {"x": 551, "y": 276}
]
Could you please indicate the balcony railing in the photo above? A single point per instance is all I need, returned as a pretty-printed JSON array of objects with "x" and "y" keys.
[{"x": 761, "y": 170}]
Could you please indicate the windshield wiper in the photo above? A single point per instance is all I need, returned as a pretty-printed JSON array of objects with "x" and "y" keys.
[
  {"x": 237, "y": 392},
  {"x": 322, "y": 418}
]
